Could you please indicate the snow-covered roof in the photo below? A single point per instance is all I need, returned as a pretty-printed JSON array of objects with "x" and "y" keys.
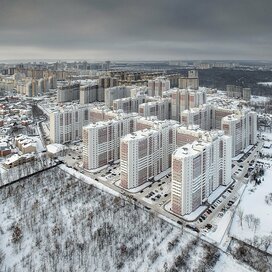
[{"x": 55, "y": 148}]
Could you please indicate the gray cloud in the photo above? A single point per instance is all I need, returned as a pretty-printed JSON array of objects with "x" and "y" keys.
[{"x": 129, "y": 29}]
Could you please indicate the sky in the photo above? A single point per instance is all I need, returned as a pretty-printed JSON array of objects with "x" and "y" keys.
[{"x": 136, "y": 29}]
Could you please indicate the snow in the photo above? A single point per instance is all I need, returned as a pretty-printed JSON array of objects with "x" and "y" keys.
[
  {"x": 227, "y": 263},
  {"x": 269, "y": 84},
  {"x": 134, "y": 190},
  {"x": 188, "y": 217},
  {"x": 68, "y": 225},
  {"x": 216, "y": 193},
  {"x": 222, "y": 226},
  {"x": 259, "y": 99},
  {"x": 55, "y": 148},
  {"x": 88, "y": 180},
  {"x": 253, "y": 202},
  {"x": 192, "y": 216}
]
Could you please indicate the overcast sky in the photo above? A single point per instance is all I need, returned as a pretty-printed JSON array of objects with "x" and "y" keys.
[{"x": 136, "y": 29}]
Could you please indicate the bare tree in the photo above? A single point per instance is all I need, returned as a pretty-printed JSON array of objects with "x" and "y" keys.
[
  {"x": 256, "y": 223},
  {"x": 249, "y": 218},
  {"x": 240, "y": 214},
  {"x": 267, "y": 241}
]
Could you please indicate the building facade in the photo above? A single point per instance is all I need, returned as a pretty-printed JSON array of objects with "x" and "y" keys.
[
  {"x": 157, "y": 86},
  {"x": 66, "y": 123},
  {"x": 147, "y": 153},
  {"x": 242, "y": 128},
  {"x": 197, "y": 170},
  {"x": 101, "y": 141},
  {"x": 160, "y": 108}
]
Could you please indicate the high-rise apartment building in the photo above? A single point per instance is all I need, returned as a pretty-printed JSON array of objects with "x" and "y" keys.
[
  {"x": 185, "y": 135},
  {"x": 119, "y": 92},
  {"x": 246, "y": 94},
  {"x": 157, "y": 86},
  {"x": 201, "y": 116},
  {"x": 68, "y": 92},
  {"x": 107, "y": 82},
  {"x": 197, "y": 170},
  {"x": 139, "y": 158},
  {"x": 184, "y": 99},
  {"x": 33, "y": 87},
  {"x": 238, "y": 92},
  {"x": 242, "y": 128},
  {"x": 145, "y": 154},
  {"x": 101, "y": 141},
  {"x": 90, "y": 93},
  {"x": 190, "y": 82},
  {"x": 66, "y": 123},
  {"x": 129, "y": 104},
  {"x": 160, "y": 108}
]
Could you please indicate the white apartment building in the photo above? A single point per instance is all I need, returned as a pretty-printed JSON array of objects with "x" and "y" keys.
[
  {"x": 160, "y": 108},
  {"x": 68, "y": 92},
  {"x": 139, "y": 157},
  {"x": 101, "y": 141},
  {"x": 129, "y": 104},
  {"x": 66, "y": 123},
  {"x": 242, "y": 128},
  {"x": 145, "y": 154},
  {"x": 186, "y": 135},
  {"x": 240, "y": 125},
  {"x": 89, "y": 93},
  {"x": 185, "y": 99},
  {"x": 157, "y": 86},
  {"x": 197, "y": 170},
  {"x": 191, "y": 81},
  {"x": 32, "y": 87},
  {"x": 201, "y": 116},
  {"x": 118, "y": 92}
]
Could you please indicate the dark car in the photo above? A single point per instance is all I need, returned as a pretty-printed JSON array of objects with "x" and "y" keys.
[
  {"x": 192, "y": 228},
  {"x": 208, "y": 226}
]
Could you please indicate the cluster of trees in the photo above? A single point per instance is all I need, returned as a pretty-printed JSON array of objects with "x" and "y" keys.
[
  {"x": 23, "y": 170},
  {"x": 69, "y": 225},
  {"x": 256, "y": 176},
  {"x": 252, "y": 221},
  {"x": 182, "y": 261},
  {"x": 268, "y": 199},
  {"x": 253, "y": 257},
  {"x": 211, "y": 257},
  {"x": 265, "y": 155}
]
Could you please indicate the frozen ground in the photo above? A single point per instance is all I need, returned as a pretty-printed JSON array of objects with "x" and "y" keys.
[
  {"x": 265, "y": 83},
  {"x": 254, "y": 223},
  {"x": 228, "y": 264},
  {"x": 259, "y": 99},
  {"x": 54, "y": 222}
]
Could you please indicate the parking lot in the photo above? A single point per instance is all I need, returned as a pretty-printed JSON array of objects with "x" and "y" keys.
[
  {"x": 241, "y": 170},
  {"x": 157, "y": 193},
  {"x": 224, "y": 202},
  {"x": 73, "y": 158}
]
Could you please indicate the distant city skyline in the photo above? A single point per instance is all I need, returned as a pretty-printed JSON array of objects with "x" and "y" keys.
[{"x": 135, "y": 30}]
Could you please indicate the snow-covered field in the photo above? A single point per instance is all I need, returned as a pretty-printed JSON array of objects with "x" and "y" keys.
[
  {"x": 252, "y": 221},
  {"x": 259, "y": 99},
  {"x": 253, "y": 203},
  {"x": 269, "y": 84},
  {"x": 54, "y": 222}
]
